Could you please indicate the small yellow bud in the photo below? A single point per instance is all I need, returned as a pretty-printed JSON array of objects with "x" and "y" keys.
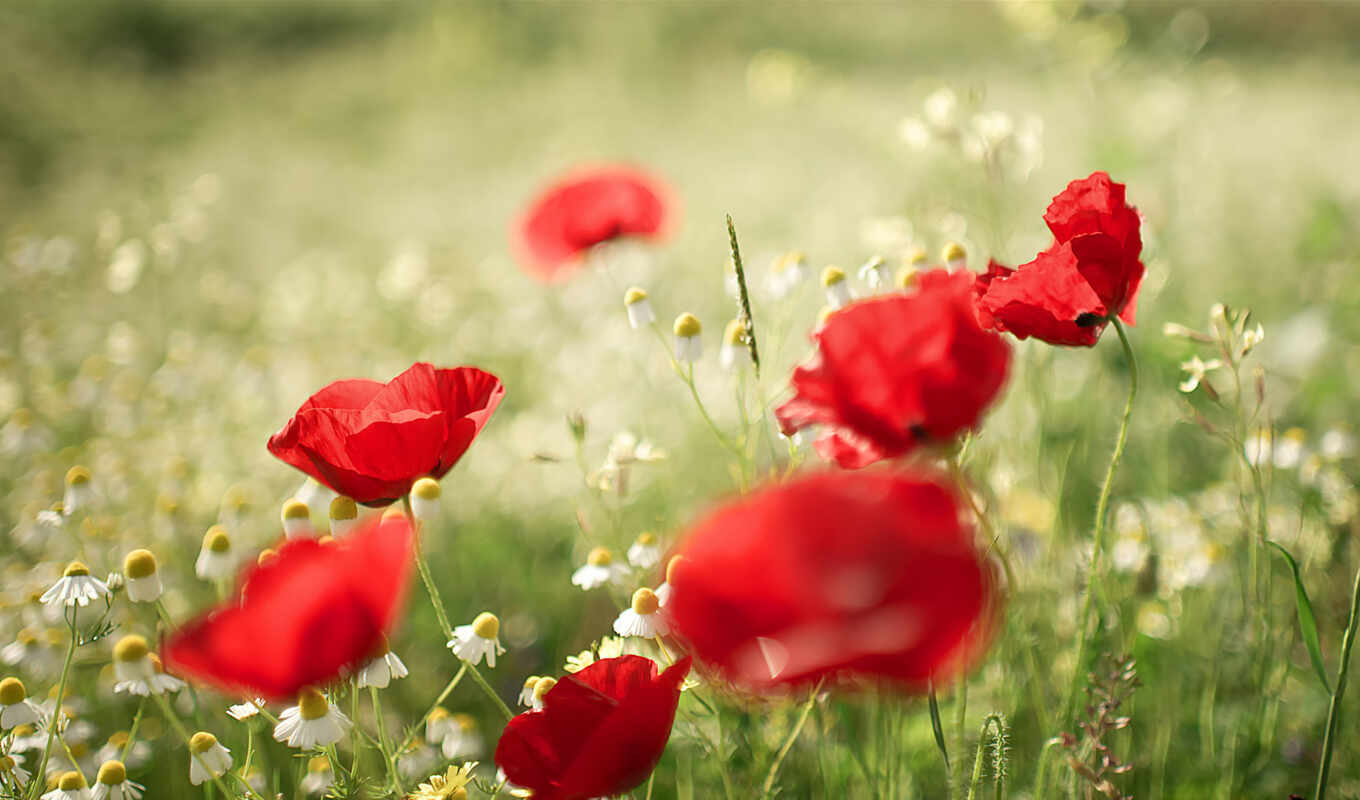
[
  {"x": 543, "y": 686},
  {"x": 296, "y": 509},
  {"x": 530, "y": 681},
  {"x": 486, "y": 625},
  {"x": 112, "y": 773},
  {"x": 318, "y": 764},
  {"x": 77, "y": 476},
  {"x": 202, "y": 742},
  {"x": 12, "y": 691},
  {"x": 139, "y": 564},
  {"x": 131, "y": 648},
  {"x": 793, "y": 258},
  {"x": 735, "y": 333},
  {"x": 832, "y": 276},
  {"x": 76, "y": 568},
  {"x": 465, "y": 721},
  {"x": 265, "y": 555},
  {"x": 917, "y": 257},
  {"x": 312, "y": 704},
  {"x": 634, "y": 295},
  {"x": 119, "y": 738},
  {"x": 426, "y": 489},
  {"x": 645, "y": 602},
  {"x": 217, "y": 540},
  {"x": 646, "y": 538},
  {"x": 953, "y": 251},
  {"x": 687, "y": 325},
  {"x": 906, "y": 278},
  {"x": 70, "y": 782},
  {"x": 344, "y": 508},
  {"x": 600, "y": 557}
]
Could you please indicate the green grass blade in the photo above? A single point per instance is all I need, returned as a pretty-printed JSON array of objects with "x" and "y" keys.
[{"x": 1307, "y": 621}]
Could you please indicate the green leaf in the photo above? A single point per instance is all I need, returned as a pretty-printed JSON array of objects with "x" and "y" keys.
[
  {"x": 937, "y": 726},
  {"x": 1307, "y": 622}
]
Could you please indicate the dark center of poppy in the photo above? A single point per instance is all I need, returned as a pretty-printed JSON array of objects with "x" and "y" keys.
[
  {"x": 919, "y": 432},
  {"x": 1088, "y": 320}
]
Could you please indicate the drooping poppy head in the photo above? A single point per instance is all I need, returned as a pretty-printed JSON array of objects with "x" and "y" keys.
[
  {"x": 835, "y": 575},
  {"x": 371, "y": 441},
  {"x": 600, "y": 732},
  {"x": 586, "y": 208},
  {"x": 301, "y": 617},
  {"x": 896, "y": 371},
  {"x": 1091, "y": 272}
]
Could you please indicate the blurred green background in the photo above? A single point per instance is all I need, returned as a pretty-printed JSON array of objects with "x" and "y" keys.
[{"x": 210, "y": 209}]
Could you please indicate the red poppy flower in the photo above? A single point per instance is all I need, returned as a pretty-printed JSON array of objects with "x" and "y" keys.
[
  {"x": 600, "y": 732},
  {"x": 370, "y": 440},
  {"x": 303, "y": 616},
  {"x": 584, "y": 209},
  {"x": 1067, "y": 294},
  {"x": 838, "y": 574},
  {"x": 898, "y": 370}
]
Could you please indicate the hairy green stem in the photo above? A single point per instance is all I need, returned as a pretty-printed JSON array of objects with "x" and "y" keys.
[
  {"x": 1334, "y": 709},
  {"x": 41, "y": 772},
  {"x": 389, "y": 760},
  {"x": 490, "y": 692},
  {"x": 997, "y": 724},
  {"x": 793, "y": 734}
]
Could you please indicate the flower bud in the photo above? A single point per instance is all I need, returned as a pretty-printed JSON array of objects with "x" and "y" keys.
[
  {"x": 689, "y": 346},
  {"x": 344, "y": 514},
  {"x": 639, "y": 308},
  {"x": 836, "y": 286},
  {"x": 954, "y": 256},
  {"x": 425, "y": 499},
  {"x": 297, "y": 519}
]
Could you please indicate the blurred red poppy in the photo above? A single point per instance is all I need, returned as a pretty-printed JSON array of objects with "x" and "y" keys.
[
  {"x": 1091, "y": 272},
  {"x": 895, "y": 371},
  {"x": 584, "y": 209},
  {"x": 302, "y": 617},
  {"x": 370, "y": 440},
  {"x": 600, "y": 732},
  {"x": 835, "y": 575}
]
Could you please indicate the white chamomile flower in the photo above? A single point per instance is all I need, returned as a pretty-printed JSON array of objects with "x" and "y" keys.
[
  {"x": 786, "y": 272},
  {"x": 12, "y": 771},
  {"x": 208, "y": 759},
  {"x": 139, "y": 671},
  {"x": 381, "y": 670},
  {"x": 296, "y": 518},
  {"x": 15, "y": 707},
  {"x": 874, "y": 272},
  {"x": 645, "y": 552},
  {"x": 317, "y": 496},
  {"x": 462, "y": 740},
  {"x": 526, "y": 694},
  {"x": 598, "y": 570},
  {"x": 313, "y": 722},
  {"x": 642, "y": 618},
  {"x": 734, "y": 352},
  {"x": 79, "y": 490},
  {"x": 244, "y": 711},
  {"x": 216, "y": 562},
  {"x": 836, "y": 286},
  {"x": 143, "y": 580},
  {"x": 541, "y": 688},
  {"x": 473, "y": 642},
  {"x": 76, "y": 586},
  {"x": 425, "y": 499},
  {"x": 438, "y": 725},
  {"x": 112, "y": 783},
  {"x": 417, "y": 759},
  {"x": 954, "y": 256},
  {"x": 70, "y": 786},
  {"x": 639, "y": 308},
  {"x": 319, "y": 775},
  {"x": 689, "y": 343},
  {"x": 344, "y": 514}
]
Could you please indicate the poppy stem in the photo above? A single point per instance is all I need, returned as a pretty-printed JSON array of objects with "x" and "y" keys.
[
  {"x": 1334, "y": 709},
  {"x": 424, "y": 569},
  {"x": 1098, "y": 530},
  {"x": 768, "y": 786},
  {"x": 490, "y": 692}
]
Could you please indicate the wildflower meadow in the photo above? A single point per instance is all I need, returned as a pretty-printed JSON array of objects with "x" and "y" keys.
[{"x": 679, "y": 400}]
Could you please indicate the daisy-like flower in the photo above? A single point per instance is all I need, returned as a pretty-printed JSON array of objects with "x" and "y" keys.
[
  {"x": 1195, "y": 372},
  {"x": 112, "y": 783},
  {"x": 639, "y": 308},
  {"x": 75, "y": 587},
  {"x": 598, "y": 570},
  {"x": 381, "y": 670},
  {"x": 526, "y": 694},
  {"x": 24, "y": 644},
  {"x": 425, "y": 499},
  {"x": 344, "y": 514},
  {"x": 79, "y": 491},
  {"x": 208, "y": 759},
  {"x": 112, "y": 750},
  {"x": 954, "y": 256},
  {"x": 836, "y": 286},
  {"x": 244, "y": 711},
  {"x": 733, "y": 351},
  {"x": 689, "y": 344},
  {"x": 216, "y": 561},
  {"x": 574, "y": 663},
  {"x": 874, "y": 272},
  {"x": 463, "y": 738},
  {"x": 319, "y": 775},
  {"x": 12, "y": 771},
  {"x": 296, "y": 518},
  {"x": 416, "y": 759},
  {"x": 70, "y": 786},
  {"x": 452, "y": 785},
  {"x": 786, "y": 272},
  {"x": 143, "y": 581},
  {"x": 645, "y": 552},
  {"x": 438, "y": 725},
  {"x": 541, "y": 687},
  {"x": 313, "y": 722},
  {"x": 473, "y": 642},
  {"x": 15, "y": 707},
  {"x": 139, "y": 671},
  {"x": 642, "y": 619}
]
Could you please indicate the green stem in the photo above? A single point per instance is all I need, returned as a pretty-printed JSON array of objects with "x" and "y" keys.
[
  {"x": 41, "y": 772},
  {"x": 960, "y": 723},
  {"x": 1041, "y": 772},
  {"x": 388, "y": 758},
  {"x": 997, "y": 724},
  {"x": 486, "y": 687},
  {"x": 183, "y": 732},
  {"x": 132, "y": 731},
  {"x": 354, "y": 718},
  {"x": 425, "y": 577},
  {"x": 448, "y": 690},
  {"x": 1334, "y": 710},
  {"x": 793, "y": 734},
  {"x": 1098, "y": 533}
]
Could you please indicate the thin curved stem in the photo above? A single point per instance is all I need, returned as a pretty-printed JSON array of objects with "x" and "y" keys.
[
  {"x": 56, "y": 711},
  {"x": 490, "y": 692},
  {"x": 1334, "y": 709},
  {"x": 389, "y": 761},
  {"x": 788, "y": 742}
]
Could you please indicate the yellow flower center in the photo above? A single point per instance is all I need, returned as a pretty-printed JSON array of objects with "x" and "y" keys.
[
  {"x": 530, "y": 682},
  {"x": 465, "y": 721},
  {"x": 426, "y": 489},
  {"x": 76, "y": 568},
  {"x": 735, "y": 333},
  {"x": 318, "y": 764},
  {"x": 131, "y": 648},
  {"x": 906, "y": 278},
  {"x": 119, "y": 739},
  {"x": 139, "y": 564},
  {"x": 600, "y": 557},
  {"x": 6, "y": 764},
  {"x": 70, "y": 781},
  {"x": 216, "y": 540},
  {"x": 953, "y": 252},
  {"x": 312, "y": 704},
  {"x": 296, "y": 509},
  {"x": 832, "y": 276},
  {"x": 486, "y": 625},
  {"x": 645, "y": 602},
  {"x": 543, "y": 686},
  {"x": 917, "y": 257},
  {"x": 646, "y": 538},
  {"x": 687, "y": 325},
  {"x": 202, "y": 742},
  {"x": 12, "y": 691},
  {"x": 112, "y": 773},
  {"x": 344, "y": 508},
  {"x": 634, "y": 295},
  {"x": 77, "y": 476}
]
